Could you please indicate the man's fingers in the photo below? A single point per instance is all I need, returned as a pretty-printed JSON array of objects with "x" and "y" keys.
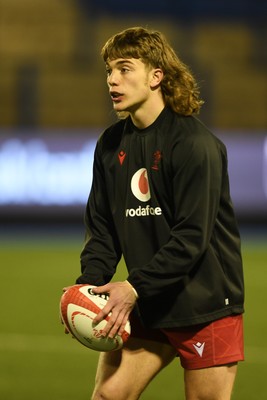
[
  {"x": 121, "y": 301},
  {"x": 66, "y": 288},
  {"x": 116, "y": 324},
  {"x": 124, "y": 322},
  {"x": 113, "y": 324},
  {"x": 102, "y": 314}
]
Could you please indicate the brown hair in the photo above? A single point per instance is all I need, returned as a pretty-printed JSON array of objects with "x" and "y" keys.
[{"x": 179, "y": 88}]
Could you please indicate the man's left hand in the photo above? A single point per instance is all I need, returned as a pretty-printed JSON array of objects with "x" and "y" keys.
[{"x": 122, "y": 299}]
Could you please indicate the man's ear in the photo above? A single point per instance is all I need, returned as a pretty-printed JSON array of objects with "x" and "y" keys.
[{"x": 156, "y": 77}]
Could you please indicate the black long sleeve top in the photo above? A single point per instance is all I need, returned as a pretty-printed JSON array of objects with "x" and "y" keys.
[{"x": 160, "y": 196}]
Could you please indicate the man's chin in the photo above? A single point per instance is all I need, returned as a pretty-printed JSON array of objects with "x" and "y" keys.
[{"x": 118, "y": 107}]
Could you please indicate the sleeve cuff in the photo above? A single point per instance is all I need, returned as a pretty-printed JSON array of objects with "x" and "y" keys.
[{"x": 135, "y": 292}]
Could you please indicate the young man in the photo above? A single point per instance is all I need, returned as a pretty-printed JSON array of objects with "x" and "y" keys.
[{"x": 160, "y": 197}]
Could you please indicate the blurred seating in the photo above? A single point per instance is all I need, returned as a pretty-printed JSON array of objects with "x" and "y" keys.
[{"x": 61, "y": 43}]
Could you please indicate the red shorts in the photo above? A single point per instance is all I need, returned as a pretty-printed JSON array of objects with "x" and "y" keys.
[{"x": 201, "y": 346}]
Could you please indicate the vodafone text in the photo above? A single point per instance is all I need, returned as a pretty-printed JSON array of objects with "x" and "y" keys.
[{"x": 143, "y": 211}]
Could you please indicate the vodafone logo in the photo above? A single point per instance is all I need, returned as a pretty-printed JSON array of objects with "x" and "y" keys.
[
  {"x": 140, "y": 189},
  {"x": 140, "y": 185}
]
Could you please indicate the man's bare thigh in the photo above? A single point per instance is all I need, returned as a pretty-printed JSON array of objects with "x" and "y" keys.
[
  {"x": 124, "y": 374},
  {"x": 214, "y": 383}
]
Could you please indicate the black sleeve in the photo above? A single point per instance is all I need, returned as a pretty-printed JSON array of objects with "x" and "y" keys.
[
  {"x": 196, "y": 187},
  {"x": 101, "y": 252}
]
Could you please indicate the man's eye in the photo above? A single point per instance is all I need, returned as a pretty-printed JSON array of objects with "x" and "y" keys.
[
  {"x": 124, "y": 69},
  {"x": 108, "y": 71}
]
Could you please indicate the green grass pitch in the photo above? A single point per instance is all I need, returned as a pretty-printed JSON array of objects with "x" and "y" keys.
[{"x": 39, "y": 362}]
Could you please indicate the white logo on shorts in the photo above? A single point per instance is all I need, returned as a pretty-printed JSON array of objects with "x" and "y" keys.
[{"x": 199, "y": 347}]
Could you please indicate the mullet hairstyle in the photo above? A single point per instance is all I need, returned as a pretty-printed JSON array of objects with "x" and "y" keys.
[{"x": 178, "y": 86}]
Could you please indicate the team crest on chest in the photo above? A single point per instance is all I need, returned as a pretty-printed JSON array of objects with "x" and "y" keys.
[{"x": 157, "y": 156}]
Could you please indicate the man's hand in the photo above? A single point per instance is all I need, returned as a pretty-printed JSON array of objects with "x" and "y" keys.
[{"x": 122, "y": 298}]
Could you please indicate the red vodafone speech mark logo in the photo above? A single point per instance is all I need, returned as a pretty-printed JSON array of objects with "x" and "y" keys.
[{"x": 140, "y": 185}]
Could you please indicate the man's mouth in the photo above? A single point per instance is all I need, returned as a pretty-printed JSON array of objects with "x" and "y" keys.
[{"x": 115, "y": 96}]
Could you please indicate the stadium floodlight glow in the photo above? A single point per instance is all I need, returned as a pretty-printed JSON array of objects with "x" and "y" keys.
[{"x": 32, "y": 174}]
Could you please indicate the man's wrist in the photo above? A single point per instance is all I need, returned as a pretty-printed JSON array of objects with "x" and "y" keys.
[{"x": 133, "y": 289}]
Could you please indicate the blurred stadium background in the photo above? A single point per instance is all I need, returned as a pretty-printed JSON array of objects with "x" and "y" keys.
[{"x": 53, "y": 106}]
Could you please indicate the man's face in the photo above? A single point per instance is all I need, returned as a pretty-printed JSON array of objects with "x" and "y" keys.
[{"x": 129, "y": 84}]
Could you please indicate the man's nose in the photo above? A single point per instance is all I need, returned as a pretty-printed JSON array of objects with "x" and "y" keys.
[{"x": 112, "y": 78}]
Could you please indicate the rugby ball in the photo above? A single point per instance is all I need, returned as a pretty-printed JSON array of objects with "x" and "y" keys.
[{"x": 78, "y": 307}]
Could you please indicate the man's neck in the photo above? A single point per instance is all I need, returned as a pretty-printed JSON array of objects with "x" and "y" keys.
[{"x": 145, "y": 116}]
